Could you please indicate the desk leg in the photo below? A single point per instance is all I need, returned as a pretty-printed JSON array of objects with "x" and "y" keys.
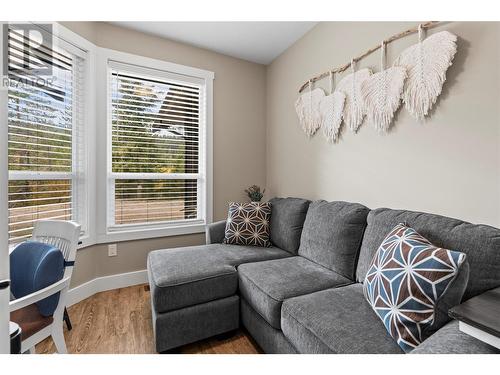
[{"x": 66, "y": 319}]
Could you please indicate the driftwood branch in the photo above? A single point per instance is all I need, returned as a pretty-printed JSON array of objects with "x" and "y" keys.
[{"x": 342, "y": 68}]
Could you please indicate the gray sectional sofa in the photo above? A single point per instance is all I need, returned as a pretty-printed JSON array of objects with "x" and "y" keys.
[{"x": 305, "y": 294}]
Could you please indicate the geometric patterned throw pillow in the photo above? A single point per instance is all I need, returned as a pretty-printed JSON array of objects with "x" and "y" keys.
[
  {"x": 248, "y": 224},
  {"x": 408, "y": 276}
]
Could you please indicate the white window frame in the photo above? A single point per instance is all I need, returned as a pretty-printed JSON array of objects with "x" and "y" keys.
[
  {"x": 134, "y": 63},
  {"x": 73, "y": 43}
]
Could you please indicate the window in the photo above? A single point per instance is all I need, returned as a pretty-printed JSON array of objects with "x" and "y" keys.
[
  {"x": 139, "y": 167},
  {"x": 46, "y": 147},
  {"x": 157, "y": 139}
]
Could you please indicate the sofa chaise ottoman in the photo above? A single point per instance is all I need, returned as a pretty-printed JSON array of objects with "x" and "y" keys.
[
  {"x": 305, "y": 293},
  {"x": 193, "y": 290}
]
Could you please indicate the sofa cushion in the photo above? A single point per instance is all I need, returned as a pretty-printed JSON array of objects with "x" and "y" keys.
[
  {"x": 335, "y": 321},
  {"x": 248, "y": 224},
  {"x": 191, "y": 275},
  {"x": 332, "y": 235},
  {"x": 265, "y": 285},
  {"x": 411, "y": 285},
  {"x": 481, "y": 243},
  {"x": 287, "y": 221}
]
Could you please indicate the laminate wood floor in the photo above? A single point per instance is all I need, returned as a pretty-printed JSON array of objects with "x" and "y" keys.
[{"x": 119, "y": 322}]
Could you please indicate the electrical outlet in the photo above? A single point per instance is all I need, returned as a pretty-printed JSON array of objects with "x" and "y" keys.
[{"x": 112, "y": 251}]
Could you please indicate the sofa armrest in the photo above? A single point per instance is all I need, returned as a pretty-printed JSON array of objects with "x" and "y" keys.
[
  {"x": 215, "y": 232},
  {"x": 450, "y": 340}
]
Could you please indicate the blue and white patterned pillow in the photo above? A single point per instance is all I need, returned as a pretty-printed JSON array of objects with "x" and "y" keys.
[{"x": 408, "y": 276}]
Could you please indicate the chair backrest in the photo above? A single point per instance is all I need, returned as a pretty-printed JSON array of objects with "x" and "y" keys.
[{"x": 62, "y": 234}]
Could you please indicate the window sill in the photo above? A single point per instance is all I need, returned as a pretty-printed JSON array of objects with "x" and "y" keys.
[{"x": 143, "y": 233}]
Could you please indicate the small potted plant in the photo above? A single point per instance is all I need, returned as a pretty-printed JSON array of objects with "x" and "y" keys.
[{"x": 254, "y": 193}]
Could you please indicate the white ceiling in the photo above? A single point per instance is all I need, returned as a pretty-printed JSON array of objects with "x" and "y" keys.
[{"x": 259, "y": 42}]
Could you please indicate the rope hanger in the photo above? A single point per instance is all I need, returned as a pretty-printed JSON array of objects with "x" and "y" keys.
[{"x": 420, "y": 29}]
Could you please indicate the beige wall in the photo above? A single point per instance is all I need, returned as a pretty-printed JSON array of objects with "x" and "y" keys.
[
  {"x": 448, "y": 165},
  {"x": 239, "y": 134}
]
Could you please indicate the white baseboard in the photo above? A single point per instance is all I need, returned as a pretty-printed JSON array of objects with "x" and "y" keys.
[{"x": 101, "y": 284}]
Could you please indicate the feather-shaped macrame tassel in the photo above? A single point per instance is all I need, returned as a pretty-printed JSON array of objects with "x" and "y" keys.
[
  {"x": 350, "y": 86},
  {"x": 331, "y": 108},
  {"x": 381, "y": 94},
  {"x": 307, "y": 108},
  {"x": 426, "y": 64},
  {"x": 331, "y": 111}
]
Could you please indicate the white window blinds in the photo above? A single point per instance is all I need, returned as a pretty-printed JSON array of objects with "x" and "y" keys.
[
  {"x": 45, "y": 131},
  {"x": 155, "y": 123}
]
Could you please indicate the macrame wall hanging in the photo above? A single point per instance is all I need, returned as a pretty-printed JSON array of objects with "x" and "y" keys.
[
  {"x": 426, "y": 64},
  {"x": 354, "y": 110},
  {"x": 331, "y": 107},
  {"x": 307, "y": 108},
  {"x": 381, "y": 93},
  {"x": 416, "y": 77}
]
